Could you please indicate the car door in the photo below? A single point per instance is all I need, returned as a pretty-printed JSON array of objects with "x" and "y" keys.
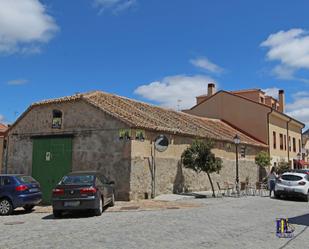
[
  {"x": 100, "y": 186},
  {"x": 107, "y": 187}
]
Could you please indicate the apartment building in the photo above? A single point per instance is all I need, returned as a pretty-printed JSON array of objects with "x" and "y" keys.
[{"x": 260, "y": 116}]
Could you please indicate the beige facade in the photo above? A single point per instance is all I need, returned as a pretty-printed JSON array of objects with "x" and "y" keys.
[{"x": 249, "y": 112}]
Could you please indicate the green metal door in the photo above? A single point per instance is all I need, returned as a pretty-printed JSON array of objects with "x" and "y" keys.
[{"x": 52, "y": 159}]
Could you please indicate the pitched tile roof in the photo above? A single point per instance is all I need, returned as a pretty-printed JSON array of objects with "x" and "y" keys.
[
  {"x": 3, "y": 129},
  {"x": 142, "y": 115}
]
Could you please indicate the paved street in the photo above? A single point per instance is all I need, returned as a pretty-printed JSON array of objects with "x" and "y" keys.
[{"x": 248, "y": 222}]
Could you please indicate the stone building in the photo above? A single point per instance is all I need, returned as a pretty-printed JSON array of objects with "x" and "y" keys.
[
  {"x": 3, "y": 129},
  {"x": 115, "y": 135}
]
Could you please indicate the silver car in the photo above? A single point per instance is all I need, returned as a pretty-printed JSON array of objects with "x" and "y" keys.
[{"x": 293, "y": 184}]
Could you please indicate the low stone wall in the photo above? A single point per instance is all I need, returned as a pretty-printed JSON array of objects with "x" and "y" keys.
[{"x": 172, "y": 177}]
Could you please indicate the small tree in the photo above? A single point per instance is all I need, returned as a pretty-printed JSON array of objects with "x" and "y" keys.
[
  {"x": 283, "y": 167},
  {"x": 263, "y": 160},
  {"x": 199, "y": 158}
]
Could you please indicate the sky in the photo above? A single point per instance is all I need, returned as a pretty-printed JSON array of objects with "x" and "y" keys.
[{"x": 164, "y": 52}]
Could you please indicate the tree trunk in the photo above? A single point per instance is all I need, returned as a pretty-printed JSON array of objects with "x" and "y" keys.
[{"x": 212, "y": 186}]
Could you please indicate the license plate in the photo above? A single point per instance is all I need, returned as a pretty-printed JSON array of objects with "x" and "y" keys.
[
  {"x": 288, "y": 189},
  {"x": 71, "y": 203},
  {"x": 33, "y": 190}
]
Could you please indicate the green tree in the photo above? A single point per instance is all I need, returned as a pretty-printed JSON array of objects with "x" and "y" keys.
[
  {"x": 283, "y": 167},
  {"x": 263, "y": 160},
  {"x": 199, "y": 158}
]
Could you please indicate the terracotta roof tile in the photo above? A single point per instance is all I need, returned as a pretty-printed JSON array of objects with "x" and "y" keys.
[{"x": 142, "y": 115}]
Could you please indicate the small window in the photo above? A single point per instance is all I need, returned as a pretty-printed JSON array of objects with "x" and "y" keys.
[
  {"x": 284, "y": 142},
  {"x": 57, "y": 119},
  {"x": 290, "y": 147},
  {"x": 299, "y": 146},
  {"x": 294, "y": 144},
  {"x": 281, "y": 141},
  {"x": 274, "y": 140},
  {"x": 262, "y": 100}
]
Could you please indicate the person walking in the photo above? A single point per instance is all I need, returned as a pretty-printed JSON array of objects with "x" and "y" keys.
[{"x": 272, "y": 176}]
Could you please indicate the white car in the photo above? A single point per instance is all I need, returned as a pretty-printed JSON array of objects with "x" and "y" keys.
[{"x": 293, "y": 184}]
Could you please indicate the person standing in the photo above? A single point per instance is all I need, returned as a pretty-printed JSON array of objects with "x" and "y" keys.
[{"x": 272, "y": 176}]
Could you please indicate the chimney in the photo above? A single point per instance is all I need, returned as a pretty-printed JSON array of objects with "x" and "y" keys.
[
  {"x": 281, "y": 101},
  {"x": 211, "y": 89}
]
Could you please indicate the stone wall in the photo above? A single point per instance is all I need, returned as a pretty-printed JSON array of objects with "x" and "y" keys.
[
  {"x": 172, "y": 177},
  {"x": 1, "y": 152},
  {"x": 96, "y": 144}
]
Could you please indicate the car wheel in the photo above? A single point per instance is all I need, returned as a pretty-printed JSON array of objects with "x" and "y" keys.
[
  {"x": 57, "y": 213},
  {"x": 277, "y": 196},
  {"x": 28, "y": 208},
  {"x": 306, "y": 198},
  {"x": 6, "y": 207},
  {"x": 112, "y": 203},
  {"x": 99, "y": 210}
]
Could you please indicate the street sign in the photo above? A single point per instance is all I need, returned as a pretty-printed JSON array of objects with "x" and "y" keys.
[{"x": 161, "y": 143}]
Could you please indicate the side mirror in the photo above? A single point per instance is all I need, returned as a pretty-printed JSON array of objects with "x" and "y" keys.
[{"x": 111, "y": 183}]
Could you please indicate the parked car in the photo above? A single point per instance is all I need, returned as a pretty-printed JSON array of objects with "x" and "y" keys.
[
  {"x": 83, "y": 191},
  {"x": 18, "y": 191},
  {"x": 293, "y": 184},
  {"x": 305, "y": 171}
]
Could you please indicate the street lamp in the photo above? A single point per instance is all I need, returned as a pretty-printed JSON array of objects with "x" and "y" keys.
[
  {"x": 237, "y": 142},
  {"x": 298, "y": 158}
]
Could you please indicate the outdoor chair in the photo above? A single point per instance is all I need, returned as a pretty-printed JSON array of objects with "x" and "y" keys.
[
  {"x": 221, "y": 191},
  {"x": 229, "y": 188},
  {"x": 261, "y": 189},
  {"x": 243, "y": 188}
]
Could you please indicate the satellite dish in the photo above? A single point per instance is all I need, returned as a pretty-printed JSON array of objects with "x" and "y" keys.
[{"x": 161, "y": 143}]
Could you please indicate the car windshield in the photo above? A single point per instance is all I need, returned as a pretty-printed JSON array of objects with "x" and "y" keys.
[
  {"x": 291, "y": 178},
  {"x": 26, "y": 179},
  {"x": 77, "y": 180}
]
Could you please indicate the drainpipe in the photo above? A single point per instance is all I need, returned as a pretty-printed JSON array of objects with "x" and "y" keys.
[
  {"x": 268, "y": 135},
  {"x": 288, "y": 140}
]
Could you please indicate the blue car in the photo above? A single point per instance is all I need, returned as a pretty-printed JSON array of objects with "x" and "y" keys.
[{"x": 18, "y": 191}]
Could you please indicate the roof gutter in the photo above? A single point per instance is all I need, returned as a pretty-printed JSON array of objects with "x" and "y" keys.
[{"x": 268, "y": 135}]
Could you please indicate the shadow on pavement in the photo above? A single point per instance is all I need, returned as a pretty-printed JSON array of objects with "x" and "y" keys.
[
  {"x": 73, "y": 215},
  {"x": 21, "y": 212},
  {"x": 300, "y": 220},
  {"x": 194, "y": 195}
]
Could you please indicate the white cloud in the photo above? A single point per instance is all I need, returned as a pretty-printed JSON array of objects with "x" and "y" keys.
[
  {"x": 170, "y": 90},
  {"x": 24, "y": 26},
  {"x": 2, "y": 119},
  {"x": 291, "y": 49},
  {"x": 299, "y": 108},
  {"x": 204, "y": 63},
  {"x": 17, "y": 82},
  {"x": 273, "y": 92},
  {"x": 116, "y": 6}
]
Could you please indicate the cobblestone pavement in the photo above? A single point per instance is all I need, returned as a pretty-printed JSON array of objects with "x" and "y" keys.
[{"x": 247, "y": 222}]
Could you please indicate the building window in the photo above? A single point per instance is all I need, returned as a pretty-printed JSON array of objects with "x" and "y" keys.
[
  {"x": 273, "y": 106},
  {"x": 290, "y": 148},
  {"x": 262, "y": 100},
  {"x": 274, "y": 139},
  {"x": 284, "y": 142},
  {"x": 294, "y": 144},
  {"x": 281, "y": 141},
  {"x": 57, "y": 119},
  {"x": 299, "y": 146}
]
